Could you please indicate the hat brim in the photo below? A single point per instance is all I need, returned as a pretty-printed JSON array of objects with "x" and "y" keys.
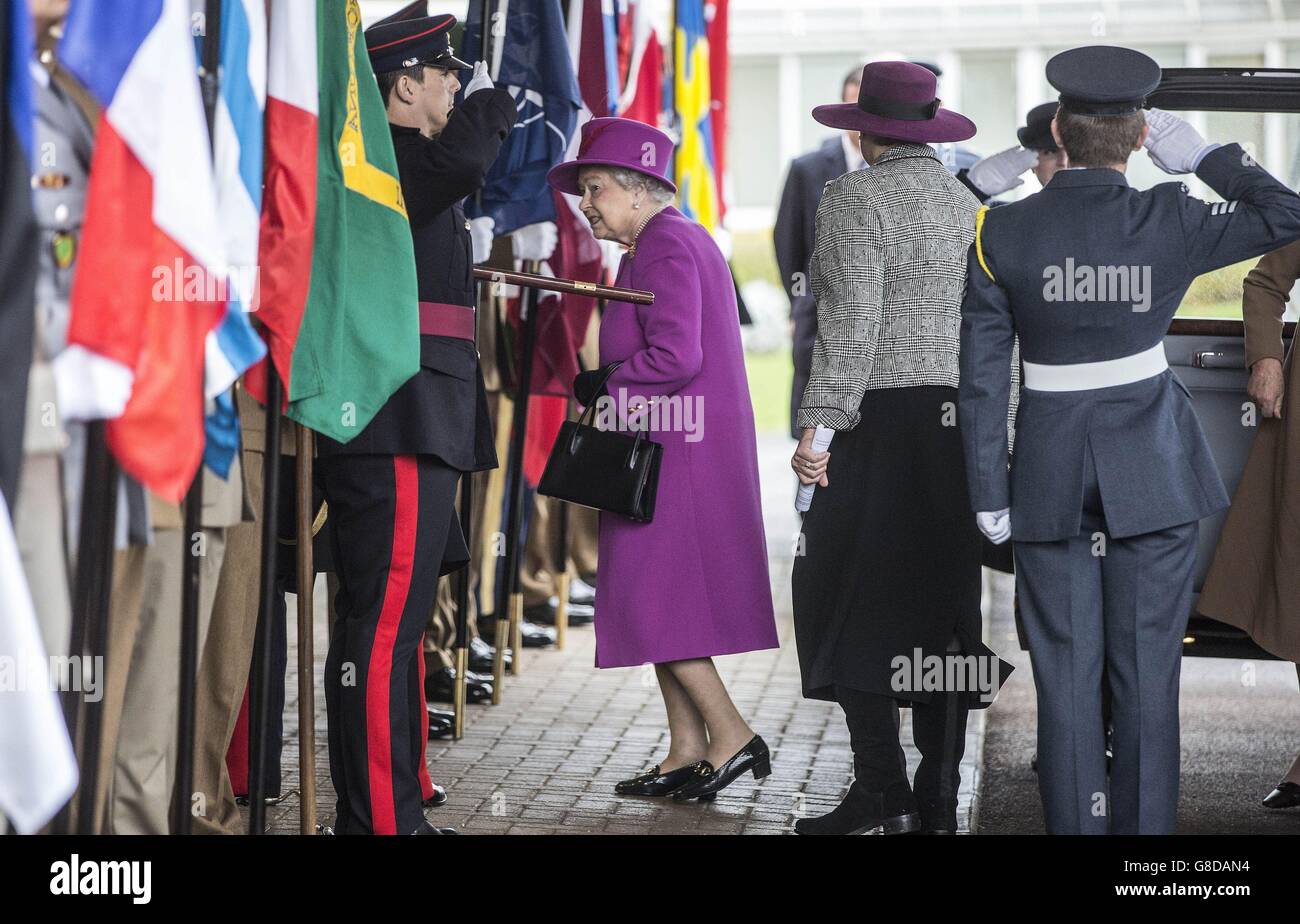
[
  {"x": 945, "y": 126},
  {"x": 1035, "y": 140},
  {"x": 564, "y": 177},
  {"x": 451, "y": 61}
]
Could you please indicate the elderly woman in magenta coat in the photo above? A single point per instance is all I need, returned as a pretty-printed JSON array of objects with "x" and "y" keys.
[{"x": 693, "y": 583}]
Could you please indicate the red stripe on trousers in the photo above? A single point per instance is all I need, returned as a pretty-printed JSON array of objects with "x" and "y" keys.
[
  {"x": 379, "y": 738},
  {"x": 426, "y": 782}
]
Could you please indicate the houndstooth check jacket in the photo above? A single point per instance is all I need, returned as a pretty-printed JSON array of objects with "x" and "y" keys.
[{"x": 889, "y": 273}]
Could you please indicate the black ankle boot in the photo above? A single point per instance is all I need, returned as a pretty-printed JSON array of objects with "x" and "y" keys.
[
  {"x": 938, "y": 816},
  {"x": 862, "y": 812}
]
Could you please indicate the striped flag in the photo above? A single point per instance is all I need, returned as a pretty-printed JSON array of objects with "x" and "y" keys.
[
  {"x": 694, "y": 158},
  {"x": 152, "y": 253},
  {"x": 337, "y": 296},
  {"x": 237, "y": 131}
]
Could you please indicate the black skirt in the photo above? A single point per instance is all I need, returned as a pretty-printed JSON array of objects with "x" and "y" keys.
[{"x": 889, "y": 563}]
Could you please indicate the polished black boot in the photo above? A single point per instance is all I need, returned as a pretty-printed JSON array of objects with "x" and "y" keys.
[
  {"x": 438, "y": 798},
  {"x": 864, "y": 812},
  {"x": 754, "y": 757}
]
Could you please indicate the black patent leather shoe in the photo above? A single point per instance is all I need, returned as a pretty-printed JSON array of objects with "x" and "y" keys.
[
  {"x": 1286, "y": 795},
  {"x": 864, "y": 812},
  {"x": 438, "y": 798},
  {"x": 656, "y": 783},
  {"x": 482, "y": 657},
  {"x": 440, "y": 686},
  {"x": 580, "y": 614},
  {"x": 753, "y": 757},
  {"x": 441, "y": 723},
  {"x": 426, "y": 828},
  {"x": 534, "y": 636}
]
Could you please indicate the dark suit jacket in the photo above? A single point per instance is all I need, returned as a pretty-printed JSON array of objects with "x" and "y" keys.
[
  {"x": 1153, "y": 464},
  {"x": 796, "y": 221},
  {"x": 442, "y": 409}
]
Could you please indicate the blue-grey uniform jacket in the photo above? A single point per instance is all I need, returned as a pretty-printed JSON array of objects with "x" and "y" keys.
[{"x": 1088, "y": 270}]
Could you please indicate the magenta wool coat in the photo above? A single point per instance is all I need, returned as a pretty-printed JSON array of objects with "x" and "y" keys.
[{"x": 692, "y": 583}]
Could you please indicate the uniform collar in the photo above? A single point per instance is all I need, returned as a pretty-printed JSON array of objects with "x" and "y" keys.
[
  {"x": 403, "y": 129},
  {"x": 1086, "y": 176},
  {"x": 907, "y": 149}
]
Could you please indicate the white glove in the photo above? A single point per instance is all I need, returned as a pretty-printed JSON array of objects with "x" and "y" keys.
[
  {"x": 479, "y": 81},
  {"x": 1000, "y": 172},
  {"x": 995, "y": 524},
  {"x": 480, "y": 235},
  {"x": 536, "y": 241},
  {"x": 89, "y": 386},
  {"x": 1172, "y": 144}
]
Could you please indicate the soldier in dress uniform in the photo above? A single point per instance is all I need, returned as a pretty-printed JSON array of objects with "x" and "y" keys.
[
  {"x": 1111, "y": 469},
  {"x": 391, "y": 490},
  {"x": 1037, "y": 151}
]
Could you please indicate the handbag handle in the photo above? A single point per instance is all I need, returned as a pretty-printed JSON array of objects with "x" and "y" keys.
[{"x": 590, "y": 409}]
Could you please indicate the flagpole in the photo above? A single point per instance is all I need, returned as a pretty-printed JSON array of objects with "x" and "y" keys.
[
  {"x": 92, "y": 594},
  {"x": 305, "y": 447},
  {"x": 259, "y": 713},
  {"x": 193, "y": 546}
]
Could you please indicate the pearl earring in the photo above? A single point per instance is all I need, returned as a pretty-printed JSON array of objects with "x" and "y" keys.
[{"x": 636, "y": 205}]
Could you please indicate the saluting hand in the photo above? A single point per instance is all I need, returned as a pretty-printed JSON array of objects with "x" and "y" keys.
[
  {"x": 1173, "y": 144},
  {"x": 481, "y": 80},
  {"x": 1000, "y": 172}
]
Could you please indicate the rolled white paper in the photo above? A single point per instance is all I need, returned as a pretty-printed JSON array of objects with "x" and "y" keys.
[{"x": 820, "y": 441}]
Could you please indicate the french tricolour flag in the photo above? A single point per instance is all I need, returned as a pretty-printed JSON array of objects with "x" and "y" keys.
[{"x": 143, "y": 305}]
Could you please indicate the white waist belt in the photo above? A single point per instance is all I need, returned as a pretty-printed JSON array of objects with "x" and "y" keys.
[{"x": 1105, "y": 374}]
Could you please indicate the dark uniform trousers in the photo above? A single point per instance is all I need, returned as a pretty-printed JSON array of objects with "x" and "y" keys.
[
  {"x": 390, "y": 531},
  {"x": 1099, "y": 609}
]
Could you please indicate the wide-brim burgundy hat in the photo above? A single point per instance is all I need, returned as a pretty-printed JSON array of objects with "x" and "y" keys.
[
  {"x": 623, "y": 143},
  {"x": 897, "y": 99}
]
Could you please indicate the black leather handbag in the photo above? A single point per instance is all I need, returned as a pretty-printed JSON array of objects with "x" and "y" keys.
[{"x": 607, "y": 470}]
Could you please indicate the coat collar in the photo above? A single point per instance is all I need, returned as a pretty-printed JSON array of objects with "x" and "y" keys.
[
  {"x": 907, "y": 149},
  {"x": 1086, "y": 176}
]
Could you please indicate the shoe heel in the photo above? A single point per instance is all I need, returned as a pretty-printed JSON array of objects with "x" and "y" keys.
[
  {"x": 901, "y": 824},
  {"x": 763, "y": 768}
]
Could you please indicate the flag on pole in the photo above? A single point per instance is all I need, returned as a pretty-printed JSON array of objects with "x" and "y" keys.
[
  {"x": 642, "y": 94},
  {"x": 18, "y": 236},
  {"x": 234, "y": 345},
  {"x": 147, "y": 291},
  {"x": 716, "y": 15},
  {"x": 337, "y": 297},
  {"x": 694, "y": 160},
  {"x": 38, "y": 771},
  {"x": 533, "y": 63},
  {"x": 593, "y": 51}
]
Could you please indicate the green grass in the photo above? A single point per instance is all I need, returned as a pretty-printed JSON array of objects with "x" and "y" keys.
[{"x": 770, "y": 375}]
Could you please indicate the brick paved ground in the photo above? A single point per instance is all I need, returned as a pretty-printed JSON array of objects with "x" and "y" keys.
[{"x": 545, "y": 761}]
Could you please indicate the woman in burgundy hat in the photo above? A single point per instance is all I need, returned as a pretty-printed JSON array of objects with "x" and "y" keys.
[
  {"x": 889, "y": 585},
  {"x": 693, "y": 583}
]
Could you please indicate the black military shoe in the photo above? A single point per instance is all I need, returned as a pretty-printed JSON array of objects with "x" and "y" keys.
[
  {"x": 482, "y": 657},
  {"x": 580, "y": 614},
  {"x": 438, "y": 798},
  {"x": 535, "y": 636},
  {"x": 426, "y": 828},
  {"x": 440, "y": 686},
  {"x": 441, "y": 723}
]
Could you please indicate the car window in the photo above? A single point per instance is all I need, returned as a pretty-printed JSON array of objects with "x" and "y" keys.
[{"x": 1271, "y": 138}]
